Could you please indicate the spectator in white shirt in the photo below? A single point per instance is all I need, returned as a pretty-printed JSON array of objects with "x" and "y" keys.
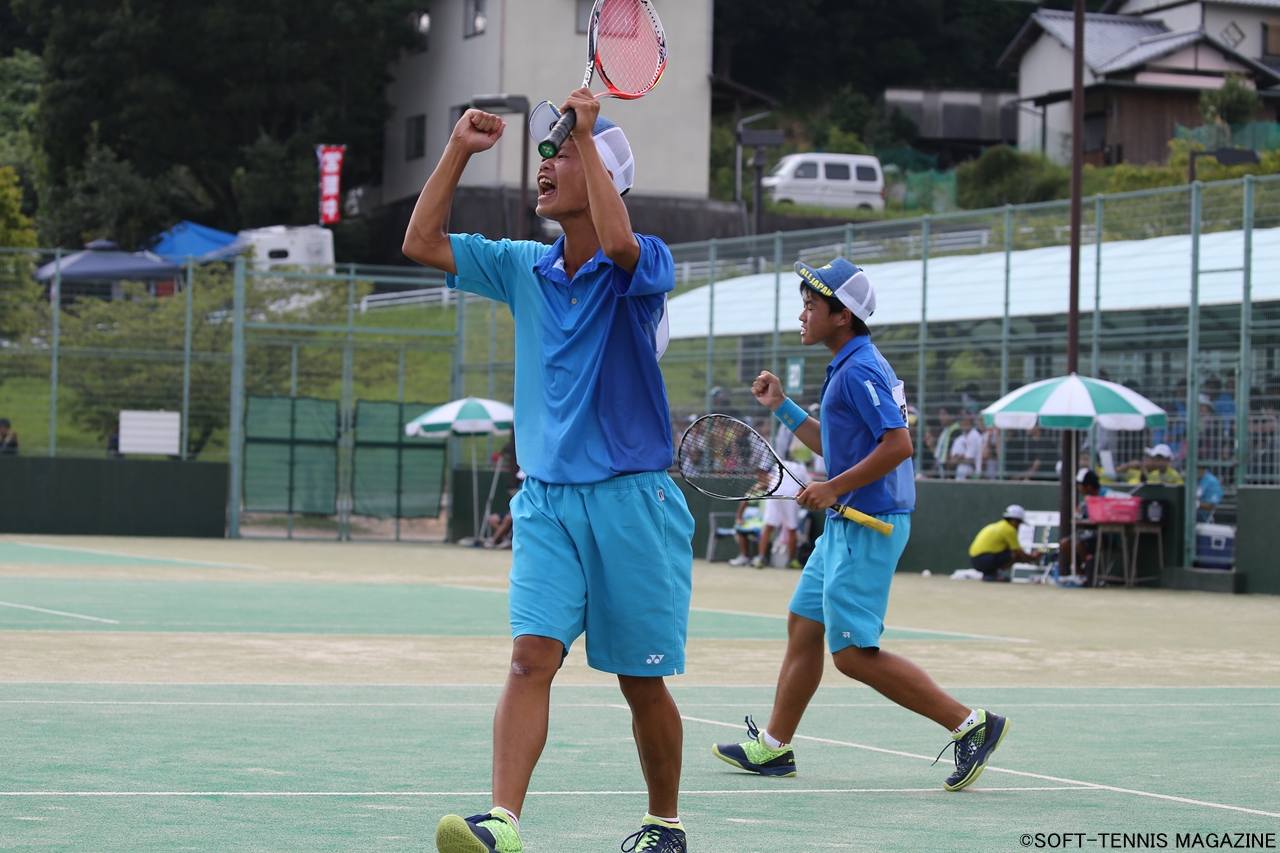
[{"x": 966, "y": 448}]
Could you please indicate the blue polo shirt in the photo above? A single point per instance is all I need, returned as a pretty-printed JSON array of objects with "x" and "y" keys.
[
  {"x": 861, "y": 400},
  {"x": 590, "y": 403}
]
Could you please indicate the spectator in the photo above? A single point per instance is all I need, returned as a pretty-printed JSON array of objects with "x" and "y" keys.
[
  {"x": 746, "y": 525},
  {"x": 1038, "y": 455},
  {"x": 991, "y": 454},
  {"x": 113, "y": 443},
  {"x": 1222, "y": 401},
  {"x": 784, "y": 515},
  {"x": 948, "y": 428},
  {"x": 1208, "y": 495},
  {"x": 996, "y": 546},
  {"x": 1088, "y": 485},
  {"x": 966, "y": 449},
  {"x": 8, "y": 439},
  {"x": 1157, "y": 468}
]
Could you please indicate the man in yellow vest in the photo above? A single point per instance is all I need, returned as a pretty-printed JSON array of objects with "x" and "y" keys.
[{"x": 997, "y": 547}]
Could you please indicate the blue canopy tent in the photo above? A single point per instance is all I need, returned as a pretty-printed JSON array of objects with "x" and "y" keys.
[
  {"x": 99, "y": 269},
  {"x": 192, "y": 240}
]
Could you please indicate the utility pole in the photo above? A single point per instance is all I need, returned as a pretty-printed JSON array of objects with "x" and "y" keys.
[{"x": 1066, "y": 497}]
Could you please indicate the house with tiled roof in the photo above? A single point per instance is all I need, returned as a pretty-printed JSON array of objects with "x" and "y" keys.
[{"x": 1146, "y": 63}]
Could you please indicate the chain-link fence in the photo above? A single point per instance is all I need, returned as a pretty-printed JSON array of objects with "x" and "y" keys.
[
  {"x": 1180, "y": 300},
  {"x": 355, "y": 339}
]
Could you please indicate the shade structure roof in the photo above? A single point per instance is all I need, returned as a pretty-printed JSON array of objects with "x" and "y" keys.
[
  {"x": 1136, "y": 275},
  {"x": 191, "y": 240},
  {"x": 110, "y": 265}
]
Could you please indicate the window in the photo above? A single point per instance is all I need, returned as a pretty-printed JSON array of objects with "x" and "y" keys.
[
  {"x": 474, "y": 20},
  {"x": 584, "y": 16},
  {"x": 867, "y": 174},
  {"x": 415, "y": 137},
  {"x": 1095, "y": 132},
  {"x": 807, "y": 170},
  {"x": 837, "y": 171},
  {"x": 1271, "y": 38}
]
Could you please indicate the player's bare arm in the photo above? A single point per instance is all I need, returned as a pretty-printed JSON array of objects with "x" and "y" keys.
[
  {"x": 894, "y": 448},
  {"x": 427, "y": 238},
  {"x": 608, "y": 211},
  {"x": 768, "y": 390}
]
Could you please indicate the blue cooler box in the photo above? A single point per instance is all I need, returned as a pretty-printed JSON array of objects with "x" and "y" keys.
[{"x": 1215, "y": 546}]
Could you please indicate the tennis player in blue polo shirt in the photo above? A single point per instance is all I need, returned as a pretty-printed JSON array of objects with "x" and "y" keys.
[
  {"x": 844, "y": 590},
  {"x": 601, "y": 536}
]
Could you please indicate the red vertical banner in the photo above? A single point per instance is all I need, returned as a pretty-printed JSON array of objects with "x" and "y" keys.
[{"x": 330, "y": 157}]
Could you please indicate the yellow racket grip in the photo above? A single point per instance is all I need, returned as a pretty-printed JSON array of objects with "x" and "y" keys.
[{"x": 864, "y": 519}]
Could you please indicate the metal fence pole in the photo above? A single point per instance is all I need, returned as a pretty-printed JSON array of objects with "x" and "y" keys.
[
  {"x": 237, "y": 402},
  {"x": 777, "y": 300},
  {"x": 400, "y": 444},
  {"x": 1096, "y": 353},
  {"x": 1004, "y": 323},
  {"x": 848, "y": 242},
  {"x": 711, "y": 324},
  {"x": 293, "y": 412},
  {"x": 921, "y": 395},
  {"x": 186, "y": 361},
  {"x": 1190, "y": 502},
  {"x": 55, "y": 304},
  {"x": 347, "y": 412},
  {"x": 1245, "y": 378}
]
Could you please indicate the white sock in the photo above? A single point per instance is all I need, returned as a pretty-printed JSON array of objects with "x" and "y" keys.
[
  {"x": 515, "y": 821},
  {"x": 968, "y": 721},
  {"x": 669, "y": 821},
  {"x": 772, "y": 742}
]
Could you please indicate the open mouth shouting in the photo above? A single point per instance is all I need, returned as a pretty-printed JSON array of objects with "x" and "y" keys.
[{"x": 546, "y": 188}]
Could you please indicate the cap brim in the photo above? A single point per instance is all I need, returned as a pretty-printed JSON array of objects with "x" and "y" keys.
[{"x": 542, "y": 119}]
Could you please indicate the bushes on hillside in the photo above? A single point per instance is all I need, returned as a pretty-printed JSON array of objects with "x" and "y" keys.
[{"x": 1005, "y": 176}]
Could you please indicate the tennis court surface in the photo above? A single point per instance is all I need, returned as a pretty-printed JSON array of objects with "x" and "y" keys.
[{"x": 272, "y": 696}]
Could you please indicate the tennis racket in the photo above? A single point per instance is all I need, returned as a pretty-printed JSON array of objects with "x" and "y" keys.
[
  {"x": 724, "y": 458},
  {"x": 627, "y": 45}
]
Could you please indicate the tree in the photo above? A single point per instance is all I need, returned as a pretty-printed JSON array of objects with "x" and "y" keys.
[
  {"x": 1004, "y": 176},
  {"x": 20, "y": 75},
  {"x": 186, "y": 91},
  {"x": 1234, "y": 103}
]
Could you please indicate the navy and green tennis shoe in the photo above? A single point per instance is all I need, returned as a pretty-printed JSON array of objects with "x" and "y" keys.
[
  {"x": 756, "y": 756},
  {"x": 483, "y": 833},
  {"x": 973, "y": 747},
  {"x": 656, "y": 837}
]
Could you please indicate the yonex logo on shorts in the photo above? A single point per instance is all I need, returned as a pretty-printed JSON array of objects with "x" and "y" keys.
[
  {"x": 655, "y": 658},
  {"x": 845, "y": 635},
  {"x": 662, "y": 496}
]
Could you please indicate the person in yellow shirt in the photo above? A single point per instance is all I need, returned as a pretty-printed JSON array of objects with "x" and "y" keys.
[
  {"x": 997, "y": 547},
  {"x": 1156, "y": 468}
]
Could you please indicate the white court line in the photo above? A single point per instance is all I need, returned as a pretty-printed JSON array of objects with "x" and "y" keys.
[
  {"x": 726, "y": 793},
  {"x": 607, "y": 704},
  {"x": 991, "y": 769},
  {"x": 138, "y": 556},
  {"x": 58, "y": 612}
]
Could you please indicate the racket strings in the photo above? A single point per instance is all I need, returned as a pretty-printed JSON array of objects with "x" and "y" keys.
[
  {"x": 722, "y": 456},
  {"x": 631, "y": 49}
]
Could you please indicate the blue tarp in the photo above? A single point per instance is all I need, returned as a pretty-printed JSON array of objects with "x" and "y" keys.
[{"x": 191, "y": 240}]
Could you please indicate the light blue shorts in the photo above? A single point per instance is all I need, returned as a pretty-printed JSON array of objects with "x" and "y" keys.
[
  {"x": 613, "y": 559},
  {"x": 845, "y": 584}
]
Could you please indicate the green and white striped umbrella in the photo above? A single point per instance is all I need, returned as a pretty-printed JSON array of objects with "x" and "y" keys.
[
  {"x": 468, "y": 416},
  {"x": 1074, "y": 402}
]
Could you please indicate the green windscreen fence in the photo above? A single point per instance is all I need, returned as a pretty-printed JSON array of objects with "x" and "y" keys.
[
  {"x": 395, "y": 475},
  {"x": 291, "y": 455}
]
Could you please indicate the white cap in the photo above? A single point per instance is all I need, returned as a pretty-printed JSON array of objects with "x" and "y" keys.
[
  {"x": 611, "y": 142},
  {"x": 1160, "y": 450},
  {"x": 1015, "y": 511}
]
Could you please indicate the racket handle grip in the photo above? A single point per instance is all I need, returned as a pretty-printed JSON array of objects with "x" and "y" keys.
[
  {"x": 864, "y": 519},
  {"x": 550, "y": 146}
]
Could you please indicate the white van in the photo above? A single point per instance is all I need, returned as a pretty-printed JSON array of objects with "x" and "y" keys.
[{"x": 828, "y": 180}]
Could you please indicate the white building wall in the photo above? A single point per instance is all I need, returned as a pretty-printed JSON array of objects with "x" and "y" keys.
[
  {"x": 1047, "y": 67},
  {"x": 1249, "y": 19},
  {"x": 532, "y": 48}
]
